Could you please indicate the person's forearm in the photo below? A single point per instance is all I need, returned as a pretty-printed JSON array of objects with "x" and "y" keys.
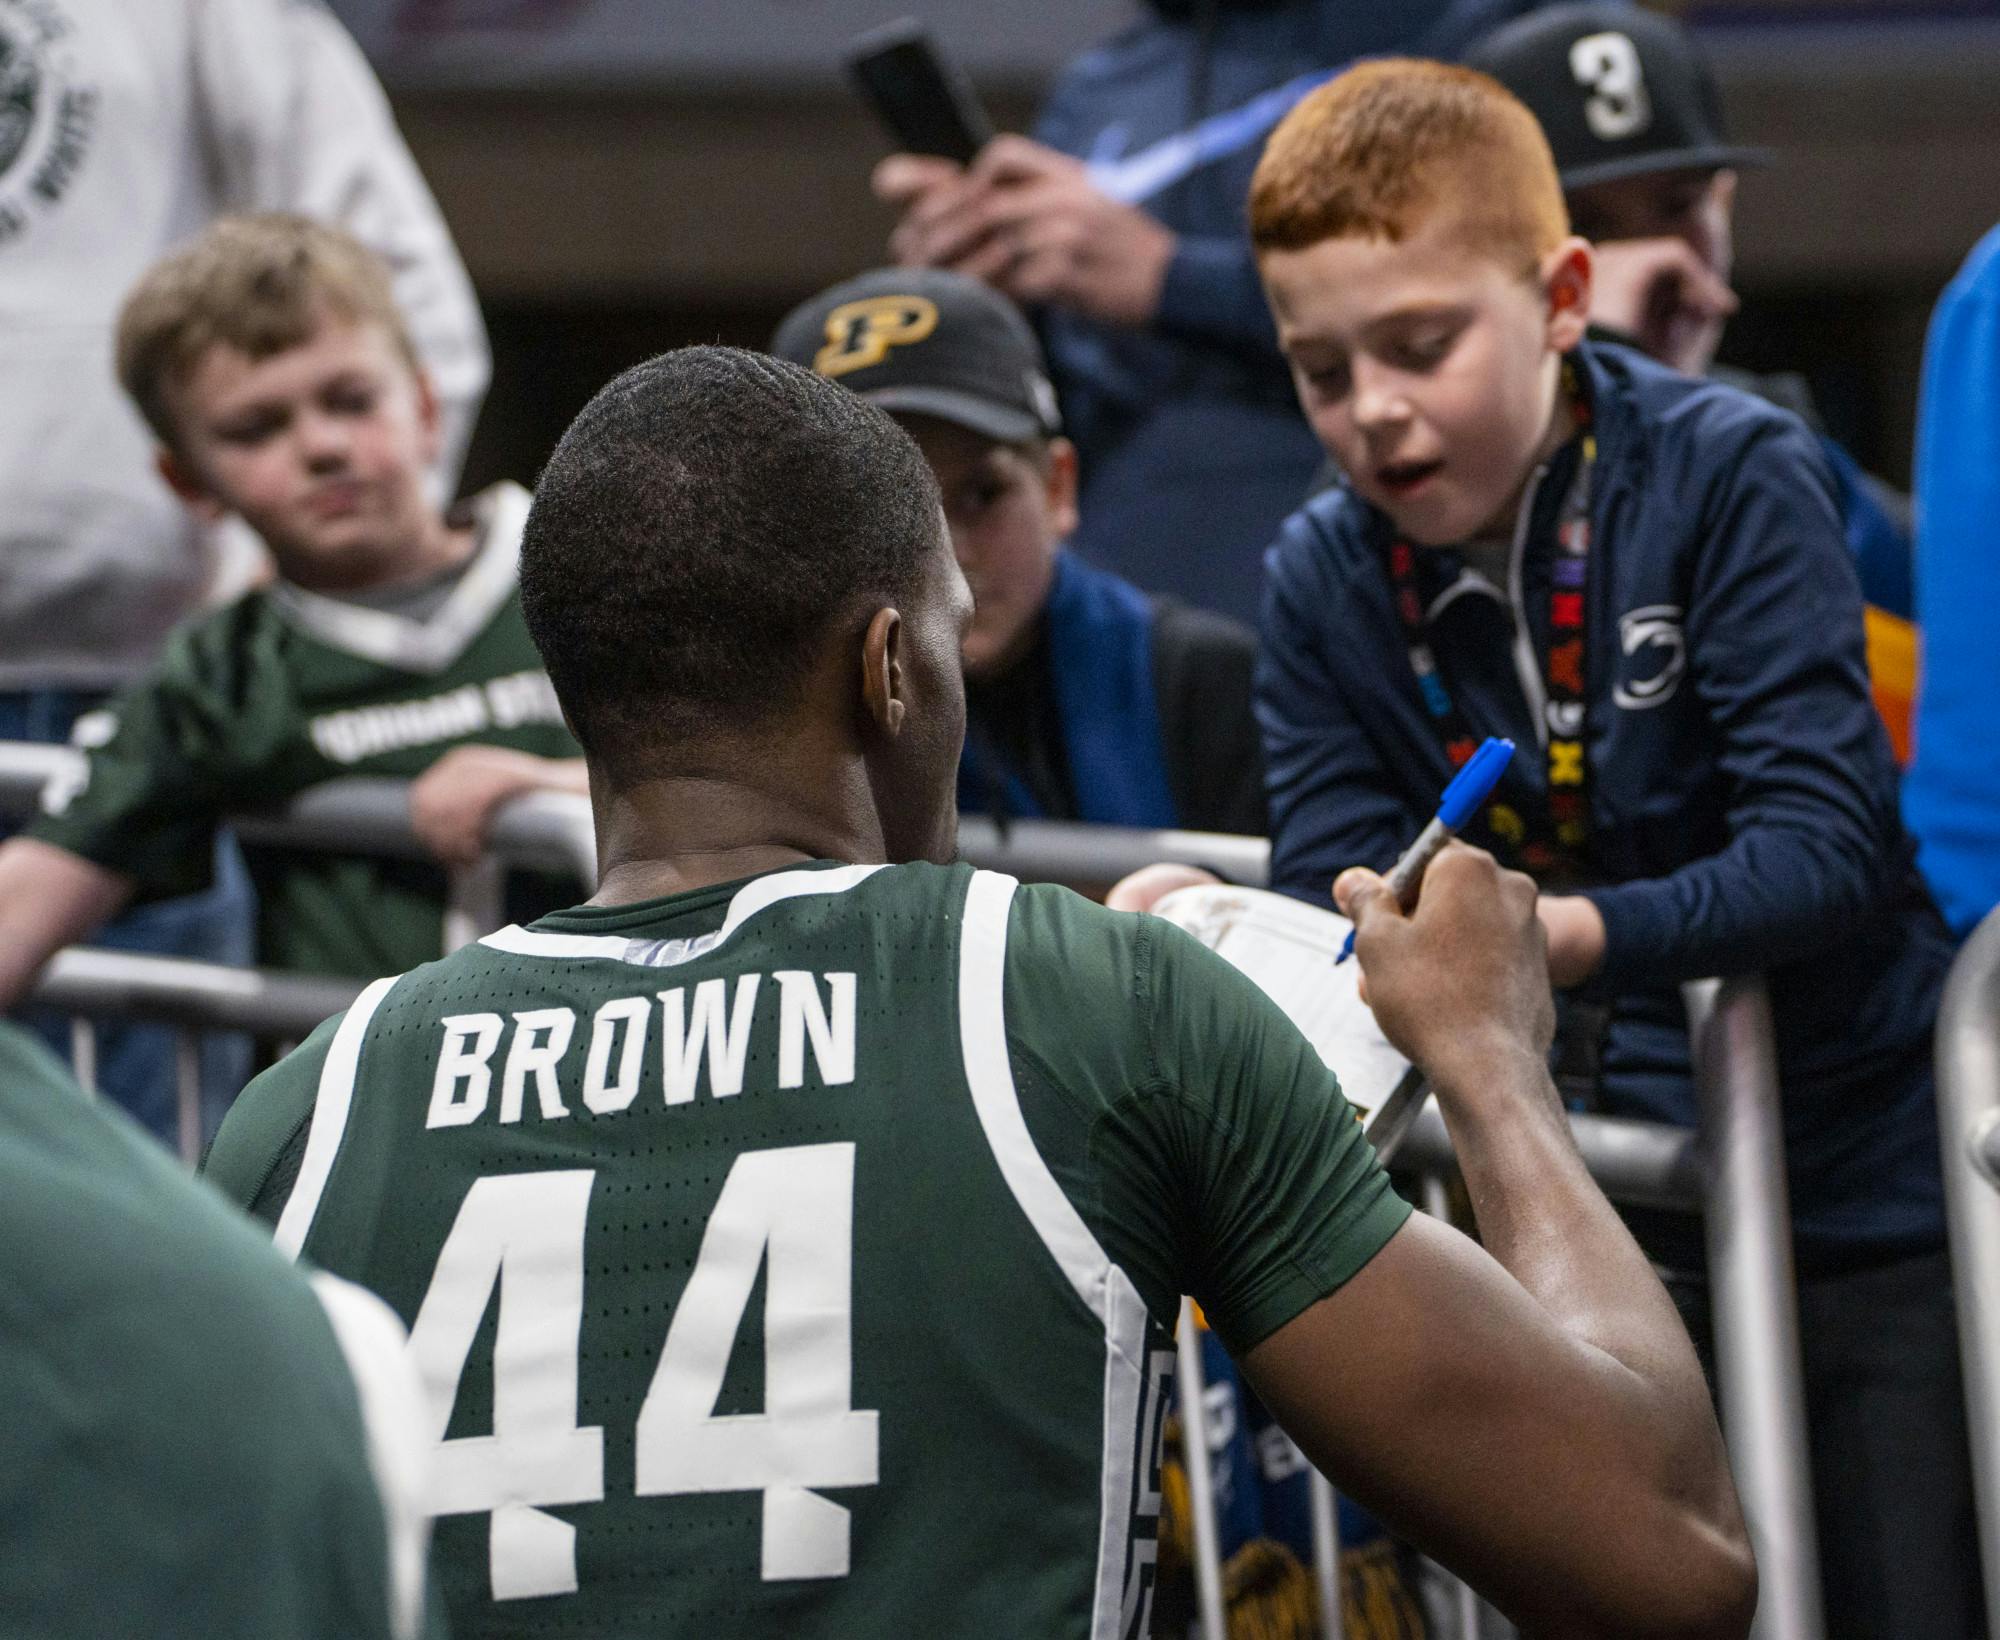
[
  {"x": 49, "y": 898},
  {"x": 1774, "y": 895},
  {"x": 1544, "y": 1219}
]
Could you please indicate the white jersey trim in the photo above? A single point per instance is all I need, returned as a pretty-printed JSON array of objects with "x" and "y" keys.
[
  {"x": 376, "y": 1349},
  {"x": 1101, "y": 1284},
  {"x": 758, "y": 895},
  {"x": 522, "y": 942},
  {"x": 428, "y": 646},
  {"x": 329, "y": 1118}
]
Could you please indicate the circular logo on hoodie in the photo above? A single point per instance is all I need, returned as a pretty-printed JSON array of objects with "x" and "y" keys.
[{"x": 47, "y": 115}]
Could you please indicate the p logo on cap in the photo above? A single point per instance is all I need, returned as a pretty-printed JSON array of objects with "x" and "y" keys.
[{"x": 861, "y": 333}]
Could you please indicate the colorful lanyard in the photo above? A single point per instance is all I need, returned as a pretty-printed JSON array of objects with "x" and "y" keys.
[{"x": 1558, "y": 833}]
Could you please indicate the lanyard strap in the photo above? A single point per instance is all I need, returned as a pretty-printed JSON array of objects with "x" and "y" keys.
[{"x": 1557, "y": 831}]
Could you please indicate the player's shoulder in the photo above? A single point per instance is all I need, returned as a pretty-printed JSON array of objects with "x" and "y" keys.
[
  {"x": 1055, "y": 934},
  {"x": 221, "y": 659},
  {"x": 1107, "y": 972}
]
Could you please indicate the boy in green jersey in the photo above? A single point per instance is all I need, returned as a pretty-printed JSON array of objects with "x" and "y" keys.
[
  {"x": 269, "y": 359},
  {"x": 198, "y": 1442},
  {"x": 790, "y": 1236}
]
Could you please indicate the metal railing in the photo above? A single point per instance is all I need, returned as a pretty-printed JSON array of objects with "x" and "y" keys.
[
  {"x": 1732, "y": 1172},
  {"x": 1747, "y": 1223},
  {"x": 1060, "y": 851},
  {"x": 542, "y": 831},
  {"x": 1968, "y": 1059},
  {"x": 191, "y": 997}
]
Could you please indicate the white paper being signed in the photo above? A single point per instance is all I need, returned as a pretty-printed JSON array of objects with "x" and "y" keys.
[{"x": 1288, "y": 948}]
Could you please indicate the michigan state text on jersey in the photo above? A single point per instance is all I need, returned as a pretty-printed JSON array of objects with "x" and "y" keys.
[{"x": 794, "y": 1256}]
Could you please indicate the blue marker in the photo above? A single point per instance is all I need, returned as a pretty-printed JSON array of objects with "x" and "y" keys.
[{"x": 1469, "y": 788}]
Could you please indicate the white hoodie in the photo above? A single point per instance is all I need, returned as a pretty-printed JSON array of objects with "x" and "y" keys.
[{"x": 125, "y": 126}]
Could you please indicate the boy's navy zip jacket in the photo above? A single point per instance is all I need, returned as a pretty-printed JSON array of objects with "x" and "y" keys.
[{"x": 1742, "y": 794}]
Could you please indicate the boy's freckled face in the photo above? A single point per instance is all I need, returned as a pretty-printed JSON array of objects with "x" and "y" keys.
[
  {"x": 321, "y": 449},
  {"x": 1427, "y": 369}
]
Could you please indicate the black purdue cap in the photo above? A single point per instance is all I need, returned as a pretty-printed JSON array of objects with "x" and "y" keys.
[
  {"x": 1619, "y": 91},
  {"x": 929, "y": 343}
]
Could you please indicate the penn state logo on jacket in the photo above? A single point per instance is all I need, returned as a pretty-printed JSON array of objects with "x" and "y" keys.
[{"x": 1654, "y": 656}]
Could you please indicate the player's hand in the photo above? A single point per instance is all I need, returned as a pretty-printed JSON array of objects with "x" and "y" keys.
[
  {"x": 1028, "y": 221},
  {"x": 1664, "y": 296},
  {"x": 1576, "y": 937},
  {"x": 453, "y": 801},
  {"x": 1141, "y": 890},
  {"x": 1462, "y": 980}
]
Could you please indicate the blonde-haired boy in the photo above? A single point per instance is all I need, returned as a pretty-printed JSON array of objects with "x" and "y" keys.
[
  {"x": 270, "y": 361},
  {"x": 1641, "y": 578}
]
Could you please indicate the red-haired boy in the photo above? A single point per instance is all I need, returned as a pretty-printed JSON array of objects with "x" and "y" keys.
[{"x": 1641, "y": 578}]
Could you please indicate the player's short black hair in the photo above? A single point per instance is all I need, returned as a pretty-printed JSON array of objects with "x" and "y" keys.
[{"x": 699, "y": 531}]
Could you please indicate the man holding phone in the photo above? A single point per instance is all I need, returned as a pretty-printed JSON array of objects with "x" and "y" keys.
[{"x": 1121, "y": 221}]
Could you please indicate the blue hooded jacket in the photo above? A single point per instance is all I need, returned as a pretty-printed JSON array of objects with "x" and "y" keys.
[
  {"x": 1953, "y": 787},
  {"x": 1743, "y": 797},
  {"x": 1193, "y": 447}
]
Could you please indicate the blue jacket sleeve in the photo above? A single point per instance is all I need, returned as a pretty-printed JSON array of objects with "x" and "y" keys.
[
  {"x": 1952, "y": 794},
  {"x": 1877, "y": 536},
  {"x": 1332, "y": 803},
  {"x": 1212, "y": 291},
  {"x": 1775, "y": 656}
]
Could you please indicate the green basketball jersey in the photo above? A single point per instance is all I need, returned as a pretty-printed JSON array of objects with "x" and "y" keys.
[
  {"x": 183, "y": 1451},
  {"x": 795, "y": 1256},
  {"x": 285, "y": 689}
]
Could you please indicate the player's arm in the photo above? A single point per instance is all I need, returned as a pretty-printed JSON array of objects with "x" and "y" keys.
[
  {"x": 49, "y": 898},
  {"x": 1531, "y": 1412}
]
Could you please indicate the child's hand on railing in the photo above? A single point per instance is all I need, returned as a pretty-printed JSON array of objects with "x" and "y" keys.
[{"x": 453, "y": 802}]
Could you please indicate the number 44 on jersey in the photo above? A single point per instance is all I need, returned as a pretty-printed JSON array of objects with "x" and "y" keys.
[{"x": 791, "y": 1208}]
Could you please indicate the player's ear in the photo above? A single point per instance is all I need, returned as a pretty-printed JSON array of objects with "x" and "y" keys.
[
  {"x": 1566, "y": 279},
  {"x": 883, "y": 685},
  {"x": 186, "y": 483}
]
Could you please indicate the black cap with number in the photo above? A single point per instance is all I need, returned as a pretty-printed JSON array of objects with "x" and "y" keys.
[
  {"x": 1620, "y": 92},
  {"x": 926, "y": 342}
]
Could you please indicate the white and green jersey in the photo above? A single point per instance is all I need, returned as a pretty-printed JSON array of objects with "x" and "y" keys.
[
  {"x": 796, "y": 1256},
  {"x": 285, "y": 689}
]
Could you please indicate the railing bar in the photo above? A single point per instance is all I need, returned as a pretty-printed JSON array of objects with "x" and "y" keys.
[
  {"x": 1968, "y": 1061},
  {"x": 83, "y": 1053},
  {"x": 1192, "y": 1388},
  {"x": 187, "y": 1094},
  {"x": 477, "y": 903},
  {"x": 1748, "y": 1232},
  {"x": 1326, "y": 1553}
]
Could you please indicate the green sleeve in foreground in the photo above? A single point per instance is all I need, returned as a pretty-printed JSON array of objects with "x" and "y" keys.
[
  {"x": 254, "y": 1160},
  {"x": 1285, "y": 1195},
  {"x": 151, "y": 795}
]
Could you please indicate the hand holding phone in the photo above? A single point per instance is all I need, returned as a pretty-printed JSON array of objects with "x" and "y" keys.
[{"x": 927, "y": 104}]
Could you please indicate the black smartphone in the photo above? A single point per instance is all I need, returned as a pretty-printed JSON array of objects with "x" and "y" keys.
[{"x": 927, "y": 104}]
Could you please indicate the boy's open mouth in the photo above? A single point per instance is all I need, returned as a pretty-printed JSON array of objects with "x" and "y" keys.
[{"x": 1399, "y": 478}]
